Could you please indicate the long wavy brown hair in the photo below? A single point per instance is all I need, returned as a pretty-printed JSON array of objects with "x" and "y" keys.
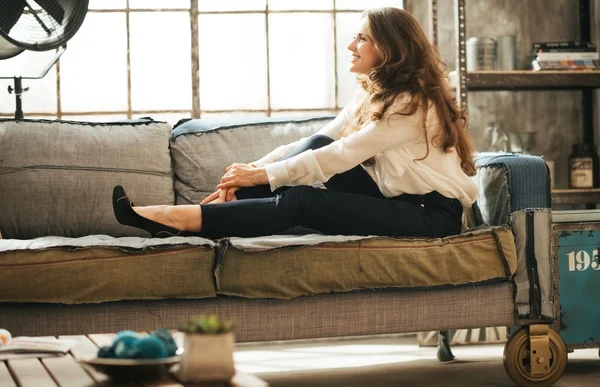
[{"x": 412, "y": 67}]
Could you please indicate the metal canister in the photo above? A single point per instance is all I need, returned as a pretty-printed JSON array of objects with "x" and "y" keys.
[
  {"x": 481, "y": 53},
  {"x": 506, "y": 53}
]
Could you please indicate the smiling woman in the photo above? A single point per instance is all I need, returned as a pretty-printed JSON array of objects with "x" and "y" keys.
[
  {"x": 364, "y": 53},
  {"x": 395, "y": 162}
]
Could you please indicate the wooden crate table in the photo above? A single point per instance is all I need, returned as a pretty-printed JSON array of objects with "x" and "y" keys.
[{"x": 63, "y": 371}]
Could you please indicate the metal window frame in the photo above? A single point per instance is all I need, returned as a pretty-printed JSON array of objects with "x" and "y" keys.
[{"x": 196, "y": 110}]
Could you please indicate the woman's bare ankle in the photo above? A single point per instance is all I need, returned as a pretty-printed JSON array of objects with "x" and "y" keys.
[{"x": 161, "y": 214}]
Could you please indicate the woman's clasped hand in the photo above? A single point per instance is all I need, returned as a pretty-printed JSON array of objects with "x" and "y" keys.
[{"x": 236, "y": 175}]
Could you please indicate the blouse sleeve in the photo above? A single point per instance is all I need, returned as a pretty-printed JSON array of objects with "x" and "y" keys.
[{"x": 319, "y": 165}]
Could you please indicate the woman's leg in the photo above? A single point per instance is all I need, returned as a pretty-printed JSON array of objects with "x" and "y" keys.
[
  {"x": 329, "y": 212},
  {"x": 159, "y": 221},
  {"x": 264, "y": 191},
  {"x": 326, "y": 211},
  {"x": 185, "y": 217},
  {"x": 356, "y": 180}
]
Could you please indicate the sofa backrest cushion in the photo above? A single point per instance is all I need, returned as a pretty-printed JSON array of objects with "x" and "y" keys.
[
  {"x": 202, "y": 149},
  {"x": 56, "y": 177}
]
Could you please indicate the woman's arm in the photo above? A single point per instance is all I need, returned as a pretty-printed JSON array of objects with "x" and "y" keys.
[
  {"x": 332, "y": 130},
  {"x": 247, "y": 175},
  {"x": 346, "y": 153}
]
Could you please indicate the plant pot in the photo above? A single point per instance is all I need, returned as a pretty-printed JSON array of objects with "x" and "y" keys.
[{"x": 207, "y": 358}]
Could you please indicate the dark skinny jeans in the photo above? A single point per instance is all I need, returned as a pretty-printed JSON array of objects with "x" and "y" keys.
[{"x": 352, "y": 204}]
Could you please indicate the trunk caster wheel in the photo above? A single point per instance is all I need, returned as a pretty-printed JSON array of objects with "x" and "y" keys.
[{"x": 517, "y": 360}]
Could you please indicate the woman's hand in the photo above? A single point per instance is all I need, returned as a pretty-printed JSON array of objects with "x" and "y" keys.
[
  {"x": 243, "y": 175},
  {"x": 221, "y": 196},
  {"x": 238, "y": 164},
  {"x": 230, "y": 195}
]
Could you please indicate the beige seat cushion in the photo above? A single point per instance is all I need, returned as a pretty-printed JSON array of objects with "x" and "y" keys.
[
  {"x": 101, "y": 268},
  {"x": 485, "y": 255}
]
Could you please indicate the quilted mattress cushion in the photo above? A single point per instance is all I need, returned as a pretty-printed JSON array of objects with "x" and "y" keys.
[
  {"x": 286, "y": 267},
  {"x": 100, "y": 268}
]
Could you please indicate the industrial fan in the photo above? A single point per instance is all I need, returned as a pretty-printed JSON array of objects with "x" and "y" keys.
[{"x": 37, "y": 25}]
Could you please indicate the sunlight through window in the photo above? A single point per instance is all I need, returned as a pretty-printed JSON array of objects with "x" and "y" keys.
[{"x": 142, "y": 58}]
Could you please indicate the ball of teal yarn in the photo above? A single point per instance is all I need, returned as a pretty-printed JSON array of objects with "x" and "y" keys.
[
  {"x": 106, "y": 352},
  {"x": 149, "y": 347},
  {"x": 127, "y": 333},
  {"x": 123, "y": 347},
  {"x": 167, "y": 339}
]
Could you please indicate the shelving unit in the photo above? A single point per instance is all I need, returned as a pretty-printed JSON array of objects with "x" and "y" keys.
[
  {"x": 586, "y": 81},
  {"x": 532, "y": 80},
  {"x": 575, "y": 196}
]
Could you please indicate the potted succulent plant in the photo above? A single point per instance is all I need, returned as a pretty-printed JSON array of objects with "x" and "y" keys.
[{"x": 208, "y": 350}]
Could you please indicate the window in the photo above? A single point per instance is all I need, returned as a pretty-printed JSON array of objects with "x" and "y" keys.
[{"x": 171, "y": 59}]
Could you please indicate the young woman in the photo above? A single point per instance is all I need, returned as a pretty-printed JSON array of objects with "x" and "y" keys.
[{"x": 396, "y": 161}]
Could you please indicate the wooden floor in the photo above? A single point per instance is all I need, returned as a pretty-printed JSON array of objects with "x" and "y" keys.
[
  {"x": 389, "y": 361},
  {"x": 53, "y": 371}
]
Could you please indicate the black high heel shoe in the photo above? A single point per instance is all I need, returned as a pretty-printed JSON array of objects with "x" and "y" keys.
[{"x": 125, "y": 215}]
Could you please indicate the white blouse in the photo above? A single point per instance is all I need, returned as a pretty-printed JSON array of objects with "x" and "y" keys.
[{"x": 396, "y": 141}]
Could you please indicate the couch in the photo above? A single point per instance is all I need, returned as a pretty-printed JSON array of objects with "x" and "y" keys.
[{"x": 67, "y": 267}]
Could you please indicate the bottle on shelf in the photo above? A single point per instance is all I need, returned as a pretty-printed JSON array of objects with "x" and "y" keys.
[{"x": 583, "y": 166}]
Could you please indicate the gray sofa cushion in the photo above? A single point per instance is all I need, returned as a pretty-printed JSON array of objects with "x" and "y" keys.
[
  {"x": 202, "y": 149},
  {"x": 56, "y": 177}
]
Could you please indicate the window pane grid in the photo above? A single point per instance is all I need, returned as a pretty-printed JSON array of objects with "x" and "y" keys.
[
  {"x": 196, "y": 103},
  {"x": 165, "y": 111},
  {"x": 225, "y": 12}
]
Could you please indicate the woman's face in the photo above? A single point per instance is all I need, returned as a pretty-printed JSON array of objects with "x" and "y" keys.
[{"x": 364, "y": 56}]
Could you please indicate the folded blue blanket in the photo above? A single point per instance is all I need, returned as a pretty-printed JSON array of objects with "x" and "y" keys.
[{"x": 528, "y": 179}]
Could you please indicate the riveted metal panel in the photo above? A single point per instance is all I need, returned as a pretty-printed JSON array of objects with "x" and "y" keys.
[{"x": 576, "y": 249}]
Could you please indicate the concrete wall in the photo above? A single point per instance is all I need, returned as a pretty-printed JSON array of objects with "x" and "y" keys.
[{"x": 554, "y": 115}]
